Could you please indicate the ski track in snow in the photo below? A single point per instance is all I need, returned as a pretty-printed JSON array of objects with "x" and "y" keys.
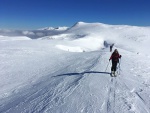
[
  {"x": 111, "y": 97},
  {"x": 122, "y": 99}
]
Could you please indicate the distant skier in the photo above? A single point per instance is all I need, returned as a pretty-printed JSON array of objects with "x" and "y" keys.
[
  {"x": 111, "y": 46},
  {"x": 115, "y": 59}
]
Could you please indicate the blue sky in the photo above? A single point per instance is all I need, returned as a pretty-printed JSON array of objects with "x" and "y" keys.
[{"x": 34, "y": 14}]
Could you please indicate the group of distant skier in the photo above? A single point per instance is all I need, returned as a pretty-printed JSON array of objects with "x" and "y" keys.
[{"x": 115, "y": 56}]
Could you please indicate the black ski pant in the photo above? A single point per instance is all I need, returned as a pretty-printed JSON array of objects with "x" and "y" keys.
[{"x": 114, "y": 65}]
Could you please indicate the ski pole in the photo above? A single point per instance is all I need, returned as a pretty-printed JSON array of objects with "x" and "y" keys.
[
  {"x": 107, "y": 65},
  {"x": 119, "y": 66}
]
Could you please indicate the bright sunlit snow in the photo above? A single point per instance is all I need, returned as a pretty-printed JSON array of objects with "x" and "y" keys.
[{"x": 67, "y": 70}]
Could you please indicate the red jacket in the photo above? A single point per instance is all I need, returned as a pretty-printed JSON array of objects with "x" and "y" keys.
[{"x": 115, "y": 56}]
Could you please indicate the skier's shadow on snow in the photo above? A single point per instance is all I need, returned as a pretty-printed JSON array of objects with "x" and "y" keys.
[{"x": 86, "y": 72}]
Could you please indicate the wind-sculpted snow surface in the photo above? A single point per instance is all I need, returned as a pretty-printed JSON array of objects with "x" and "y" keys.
[{"x": 71, "y": 73}]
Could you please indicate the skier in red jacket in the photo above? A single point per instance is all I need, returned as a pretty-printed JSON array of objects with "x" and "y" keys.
[{"x": 115, "y": 59}]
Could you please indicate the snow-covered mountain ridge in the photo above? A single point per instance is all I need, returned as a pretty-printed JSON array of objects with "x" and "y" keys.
[{"x": 98, "y": 33}]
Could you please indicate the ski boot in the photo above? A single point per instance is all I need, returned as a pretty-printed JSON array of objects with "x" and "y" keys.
[{"x": 112, "y": 73}]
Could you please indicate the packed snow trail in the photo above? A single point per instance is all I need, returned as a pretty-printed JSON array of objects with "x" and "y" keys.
[{"x": 81, "y": 85}]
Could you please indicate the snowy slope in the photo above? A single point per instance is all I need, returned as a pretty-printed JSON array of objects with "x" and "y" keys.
[{"x": 69, "y": 74}]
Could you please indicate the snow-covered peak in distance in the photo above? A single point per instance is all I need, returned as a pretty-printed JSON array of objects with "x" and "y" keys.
[
  {"x": 61, "y": 28},
  {"x": 107, "y": 31},
  {"x": 47, "y": 28},
  {"x": 52, "y": 28},
  {"x": 34, "y": 34}
]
